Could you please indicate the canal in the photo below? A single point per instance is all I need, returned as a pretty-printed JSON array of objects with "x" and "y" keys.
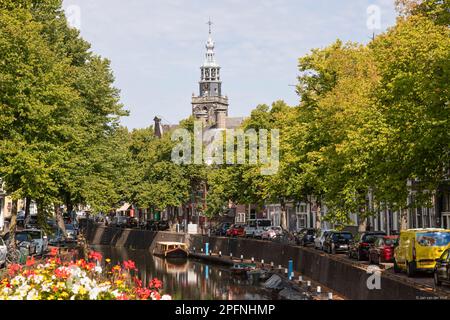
[{"x": 188, "y": 279}]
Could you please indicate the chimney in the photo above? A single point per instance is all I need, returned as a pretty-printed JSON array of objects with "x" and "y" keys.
[{"x": 158, "y": 128}]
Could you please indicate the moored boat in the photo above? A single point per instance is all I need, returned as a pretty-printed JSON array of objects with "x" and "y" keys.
[
  {"x": 173, "y": 250},
  {"x": 242, "y": 268}
]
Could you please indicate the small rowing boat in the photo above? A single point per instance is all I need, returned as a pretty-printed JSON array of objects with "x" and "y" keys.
[
  {"x": 171, "y": 250},
  {"x": 242, "y": 268}
]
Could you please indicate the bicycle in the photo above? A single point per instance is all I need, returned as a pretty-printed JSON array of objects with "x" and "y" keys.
[{"x": 14, "y": 256}]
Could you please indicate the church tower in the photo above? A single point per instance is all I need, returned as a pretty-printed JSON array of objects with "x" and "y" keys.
[{"x": 210, "y": 106}]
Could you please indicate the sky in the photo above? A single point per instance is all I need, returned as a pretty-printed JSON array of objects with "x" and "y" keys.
[{"x": 156, "y": 47}]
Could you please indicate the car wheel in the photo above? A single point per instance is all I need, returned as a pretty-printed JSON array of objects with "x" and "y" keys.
[
  {"x": 437, "y": 282},
  {"x": 411, "y": 269}
]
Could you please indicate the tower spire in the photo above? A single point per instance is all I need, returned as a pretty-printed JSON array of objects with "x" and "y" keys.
[{"x": 209, "y": 23}]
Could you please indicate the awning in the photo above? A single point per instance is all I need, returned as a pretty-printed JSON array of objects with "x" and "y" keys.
[{"x": 125, "y": 207}]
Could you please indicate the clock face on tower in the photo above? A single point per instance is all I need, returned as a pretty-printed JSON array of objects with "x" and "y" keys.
[{"x": 205, "y": 87}]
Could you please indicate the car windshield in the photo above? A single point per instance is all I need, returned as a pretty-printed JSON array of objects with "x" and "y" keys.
[
  {"x": 371, "y": 238},
  {"x": 35, "y": 234},
  {"x": 264, "y": 223},
  {"x": 342, "y": 236},
  {"x": 391, "y": 242},
  {"x": 433, "y": 239},
  {"x": 22, "y": 237}
]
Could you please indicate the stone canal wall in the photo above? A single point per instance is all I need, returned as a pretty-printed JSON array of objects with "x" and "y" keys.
[{"x": 344, "y": 277}]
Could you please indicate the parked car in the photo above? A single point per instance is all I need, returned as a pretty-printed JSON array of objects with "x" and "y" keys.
[
  {"x": 24, "y": 241},
  {"x": 359, "y": 247},
  {"x": 271, "y": 233},
  {"x": 120, "y": 221},
  {"x": 149, "y": 225},
  {"x": 51, "y": 223},
  {"x": 337, "y": 242},
  {"x": 3, "y": 253},
  {"x": 20, "y": 219},
  {"x": 255, "y": 228},
  {"x": 383, "y": 249},
  {"x": 132, "y": 222},
  {"x": 236, "y": 230},
  {"x": 162, "y": 226},
  {"x": 306, "y": 236},
  {"x": 221, "y": 229},
  {"x": 320, "y": 238},
  {"x": 40, "y": 239},
  {"x": 418, "y": 250},
  {"x": 442, "y": 269},
  {"x": 72, "y": 231},
  {"x": 31, "y": 222}
]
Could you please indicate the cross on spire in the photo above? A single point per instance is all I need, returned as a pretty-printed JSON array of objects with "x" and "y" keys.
[{"x": 209, "y": 24}]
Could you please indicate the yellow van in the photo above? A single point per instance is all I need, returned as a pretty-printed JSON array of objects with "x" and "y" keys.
[{"x": 418, "y": 249}]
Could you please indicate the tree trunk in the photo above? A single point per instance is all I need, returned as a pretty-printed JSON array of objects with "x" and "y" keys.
[
  {"x": 13, "y": 224},
  {"x": 27, "y": 208},
  {"x": 60, "y": 220},
  {"x": 403, "y": 219},
  {"x": 362, "y": 224},
  {"x": 283, "y": 215},
  {"x": 318, "y": 215}
]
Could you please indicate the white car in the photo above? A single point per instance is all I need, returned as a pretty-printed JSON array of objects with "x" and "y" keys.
[
  {"x": 318, "y": 242},
  {"x": 40, "y": 239},
  {"x": 271, "y": 233},
  {"x": 256, "y": 227},
  {"x": 3, "y": 252}
]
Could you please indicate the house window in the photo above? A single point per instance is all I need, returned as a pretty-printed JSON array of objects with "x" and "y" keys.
[
  {"x": 252, "y": 214},
  {"x": 240, "y": 217},
  {"x": 302, "y": 220}
]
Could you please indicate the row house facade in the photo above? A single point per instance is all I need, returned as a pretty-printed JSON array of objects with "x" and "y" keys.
[{"x": 304, "y": 215}]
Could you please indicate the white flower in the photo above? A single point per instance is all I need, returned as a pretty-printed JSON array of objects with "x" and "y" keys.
[
  {"x": 94, "y": 293},
  {"x": 166, "y": 297},
  {"x": 32, "y": 295},
  {"x": 76, "y": 288},
  {"x": 98, "y": 269},
  {"x": 115, "y": 293}
]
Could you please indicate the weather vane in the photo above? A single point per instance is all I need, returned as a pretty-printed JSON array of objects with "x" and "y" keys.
[{"x": 210, "y": 24}]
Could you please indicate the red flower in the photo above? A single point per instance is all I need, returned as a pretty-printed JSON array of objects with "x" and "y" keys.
[
  {"x": 129, "y": 265},
  {"x": 155, "y": 295},
  {"x": 28, "y": 273},
  {"x": 62, "y": 273},
  {"x": 54, "y": 252},
  {"x": 137, "y": 282},
  {"x": 13, "y": 269},
  {"x": 30, "y": 261},
  {"x": 81, "y": 263},
  {"x": 155, "y": 283},
  {"x": 143, "y": 293},
  {"x": 95, "y": 256},
  {"x": 123, "y": 296}
]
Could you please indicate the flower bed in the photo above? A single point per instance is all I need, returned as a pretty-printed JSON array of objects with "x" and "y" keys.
[{"x": 55, "y": 279}]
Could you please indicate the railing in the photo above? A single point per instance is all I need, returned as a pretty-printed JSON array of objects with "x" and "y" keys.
[{"x": 223, "y": 100}]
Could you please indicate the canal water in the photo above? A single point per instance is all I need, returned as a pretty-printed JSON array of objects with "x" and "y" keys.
[{"x": 188, "y": 279}]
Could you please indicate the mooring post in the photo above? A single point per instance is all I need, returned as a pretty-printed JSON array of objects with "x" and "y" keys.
[{"x": 291, "y": 269}]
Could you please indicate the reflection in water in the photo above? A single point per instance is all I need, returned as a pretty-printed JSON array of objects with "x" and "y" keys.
[{"x": 187, "y": 279}]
